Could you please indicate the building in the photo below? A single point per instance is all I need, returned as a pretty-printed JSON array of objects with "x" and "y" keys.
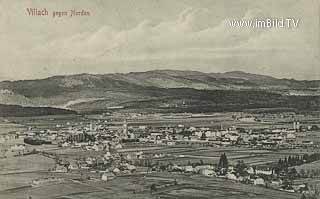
[
  {"x": 259, "y": 181},
  {"x": 207, "y": 172}
]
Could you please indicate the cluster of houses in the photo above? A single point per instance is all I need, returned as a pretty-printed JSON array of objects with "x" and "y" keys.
[
  {"x": 46, "y": 181},
  {"x": 99, "y": 135},
  {"x": 256, "y": 175},
  {"x": 78, "y": 134},
  {"x": 109, "y": 140},
  {"x": 258, "y": 138},
  {"x": 109, "y": 164}
]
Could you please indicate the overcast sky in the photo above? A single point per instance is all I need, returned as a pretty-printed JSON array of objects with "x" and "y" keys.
[{"x": 140, "y": 35}]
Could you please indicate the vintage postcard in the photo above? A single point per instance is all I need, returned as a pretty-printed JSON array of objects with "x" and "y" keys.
[{"x": 150, "y": 99}]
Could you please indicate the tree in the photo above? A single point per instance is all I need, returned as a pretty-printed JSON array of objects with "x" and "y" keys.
[
  {"x": 292, "y": 173},
  {"x": 302, "y": 173},
  {"x": 162, "y": 167},
  {"x": 280, "y": 163},
  {"x": 314, "y": 128},
  {"x": 254, "y": 141},
  {"x": 240, "y": 168},
  {"x": 303, "y": 196},
  {"x": 277, "y": 170},
  {"x": 153, "y": 188},
  {"x": 201, "y": 162},
  {"x": 203, "y": 136},
  {"x": 223, "y": 163},
  {"x": 285, "y": 162},
  {"x": 287, "y": 184},
  {"x": 289, "y": 161}
]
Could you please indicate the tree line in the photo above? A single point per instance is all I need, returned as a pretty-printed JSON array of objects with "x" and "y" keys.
[{"x": 282, "y": 166}]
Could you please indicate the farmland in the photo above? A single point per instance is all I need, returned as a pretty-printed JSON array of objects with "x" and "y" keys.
[
  {"x": 18, "y": 172},
  {"x": 124, "y": 187}
]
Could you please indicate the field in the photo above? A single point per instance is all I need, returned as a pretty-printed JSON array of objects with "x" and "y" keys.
[
  {"x": 46, "y": 122},
  {"x": 20, "y": 171},
  {"x": 6, "y": 127},
  {"x": 309, "y": 166},
  {"x": 25, "y": 163},
  {"x": 17, "y": 173},
  {"x": 182, "y": 155},
  {"x": 189, "y": 187},
  {"x": 185, "y": 154}
]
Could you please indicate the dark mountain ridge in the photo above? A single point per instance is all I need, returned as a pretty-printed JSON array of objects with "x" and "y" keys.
[
  {"x": 161, "y": 88},
  {"x": 19, "y": 111}
]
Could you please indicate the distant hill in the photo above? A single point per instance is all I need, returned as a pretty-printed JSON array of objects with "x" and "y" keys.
[
  {"x": 162, "y": 90},
  {"x": 19, "y": 111}
]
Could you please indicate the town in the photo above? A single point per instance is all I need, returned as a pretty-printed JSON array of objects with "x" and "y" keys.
[{"x": 249, "y": 149}]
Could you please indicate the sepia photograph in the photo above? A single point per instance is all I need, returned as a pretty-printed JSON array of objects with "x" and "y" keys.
[{"x": 160, "y": 99}]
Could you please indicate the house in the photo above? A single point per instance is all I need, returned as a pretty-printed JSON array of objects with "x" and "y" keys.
[
  {"x": 107, "y": 155},
  {"x": 299, "y": 188},
  {"x": 232, "y": 137},
  {"x": 171, "y": 143},
  {"x": 207, "y": 172},
  {"x": 259, "y": 181},
  {"x": 65, "y": 144},
  {"x": 18, "y": 148},
  {"x": 188, "y": 169},
  {"x": 276, "y": 182},
  {"x": 107, "y": 176},
  {"x": 130, "y": 167},
  {"x": 200, "y": 167},
  {"x": 73, "y": 166},
  {"x": 247, "y": 119},
  {"x": 194, "y": 138},
  {"x": 60, "y": 169},
  {"x": 250, "y": 170},
  {"x": 307, "y": 142},
  {"x": 265, "y": 172},
  {"x": 277, "y": 139},
  {"x": 116, "y": 170},
  {"x": 95, "y": 147},
  {"x": 260, "y": 170},
  {"x": 231, "y": 176},
  {"x": 46, "y": 181},
  {"x": 226, "y": 142},
  {"x": 290, "y": 137},
  {"x": 198, "y": 133}
]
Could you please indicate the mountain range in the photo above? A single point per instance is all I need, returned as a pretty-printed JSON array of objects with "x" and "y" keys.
[{"x": 164, "y": 91}]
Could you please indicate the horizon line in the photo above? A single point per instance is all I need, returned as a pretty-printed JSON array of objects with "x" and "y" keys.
[{"x": 144, "y": 71}]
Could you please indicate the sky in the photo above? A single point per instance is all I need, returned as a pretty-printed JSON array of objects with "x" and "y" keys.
[{"x": 140, "y": 35}]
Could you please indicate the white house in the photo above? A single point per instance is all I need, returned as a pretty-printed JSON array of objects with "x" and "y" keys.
[
  {"x": 207, "y": 172},
  {"x": 188, "y": 168},
  {"x": 259, "y": 181},
  {"x": 231, "y": 176},
  {"x": 107, "y": 176}
]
